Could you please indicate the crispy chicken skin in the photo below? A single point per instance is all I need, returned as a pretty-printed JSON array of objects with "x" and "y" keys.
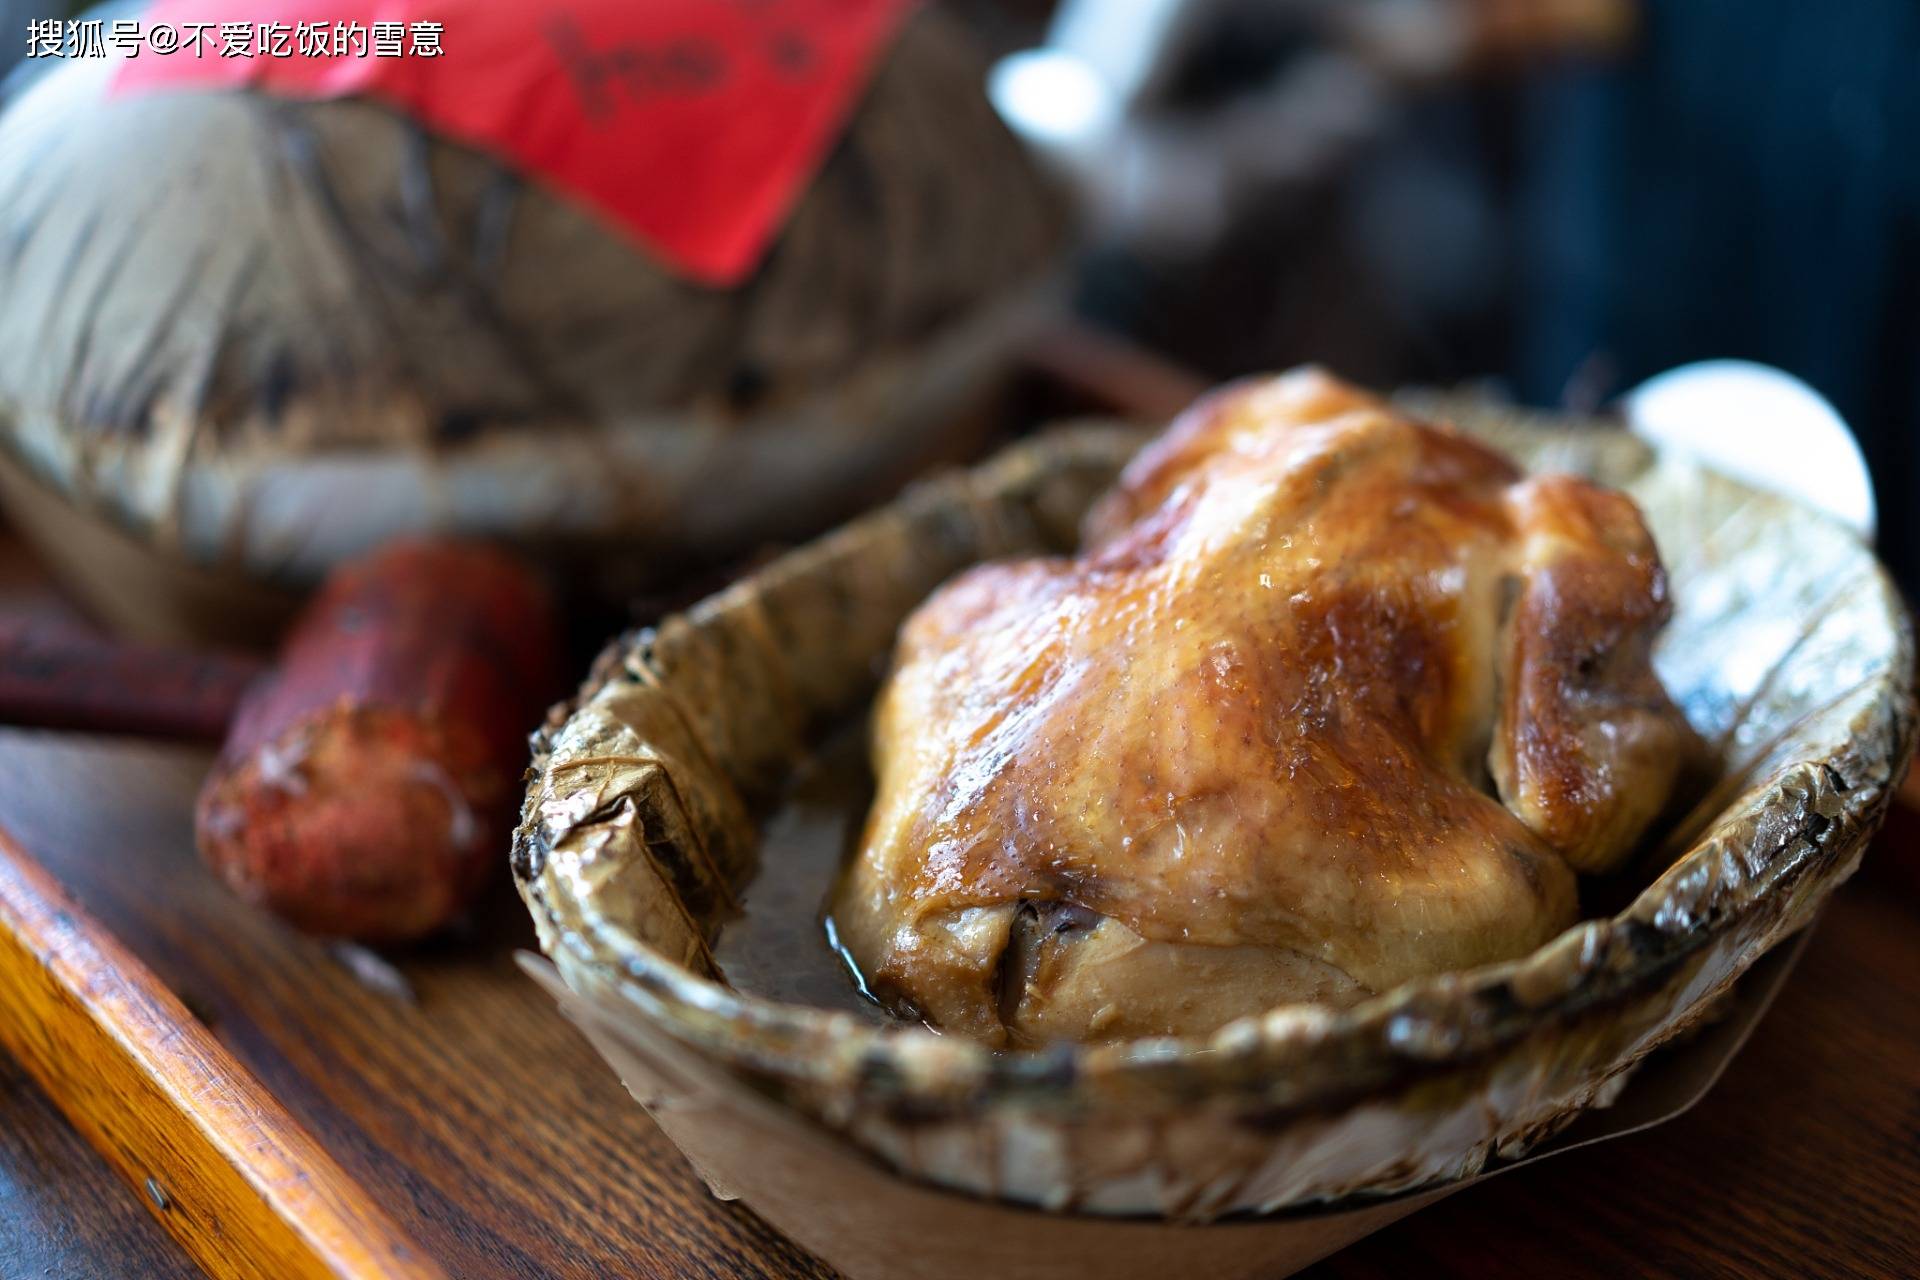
[{"x": 1329, "y": 700}]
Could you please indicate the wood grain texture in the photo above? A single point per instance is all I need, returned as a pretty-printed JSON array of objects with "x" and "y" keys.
[
  {"x": 244, "y": 1189},
  {"x": 504, "y": 1147},
  {"x": 475, "y": 1114},
  {"x": 63, "y": 1213}
]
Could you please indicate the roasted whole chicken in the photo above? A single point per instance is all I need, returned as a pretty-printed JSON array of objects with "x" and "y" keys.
[{"x": 1330, "y": 699}]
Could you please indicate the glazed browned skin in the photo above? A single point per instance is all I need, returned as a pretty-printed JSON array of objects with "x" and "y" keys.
[{"x": 1245, "y": 749}]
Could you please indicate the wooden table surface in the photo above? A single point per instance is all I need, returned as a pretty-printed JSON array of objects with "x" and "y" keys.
[{"x": 487, "y": 1127}]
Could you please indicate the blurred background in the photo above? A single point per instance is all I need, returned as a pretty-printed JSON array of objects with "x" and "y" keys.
[{"x": 1556, "y": 198}]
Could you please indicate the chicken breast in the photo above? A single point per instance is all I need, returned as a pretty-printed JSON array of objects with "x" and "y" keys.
[{"x": 1329, "y": 700}]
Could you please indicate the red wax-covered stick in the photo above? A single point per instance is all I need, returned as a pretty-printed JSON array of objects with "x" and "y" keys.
[{"x": 366, "y": 787}]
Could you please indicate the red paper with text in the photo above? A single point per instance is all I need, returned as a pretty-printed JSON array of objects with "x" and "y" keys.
[{"x": 692, "y": 124}]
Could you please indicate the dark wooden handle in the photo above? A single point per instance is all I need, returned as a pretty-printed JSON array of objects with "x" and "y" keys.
[
  {"x": 1108, "y": 374},
  {"x": 59, "y": 677}
]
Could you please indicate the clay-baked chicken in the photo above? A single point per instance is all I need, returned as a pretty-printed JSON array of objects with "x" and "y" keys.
[{"x": 1330, "y": 699}]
